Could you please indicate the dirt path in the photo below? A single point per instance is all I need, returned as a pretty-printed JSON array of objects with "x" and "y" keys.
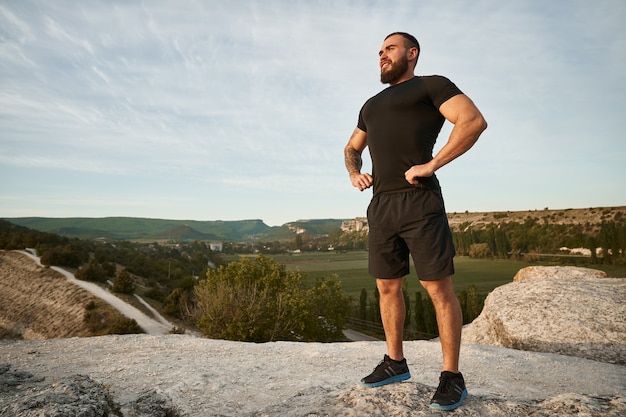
[{"x": 149, "y": 325}]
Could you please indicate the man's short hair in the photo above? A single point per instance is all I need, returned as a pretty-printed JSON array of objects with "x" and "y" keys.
[{"x": 409, "y": 42}]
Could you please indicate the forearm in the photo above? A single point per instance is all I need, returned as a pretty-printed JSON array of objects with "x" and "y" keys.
[
  {"x": 462, "y": 138},
  {"x": 353, "y": 160}
]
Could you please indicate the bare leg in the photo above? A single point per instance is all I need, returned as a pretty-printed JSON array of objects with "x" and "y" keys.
[
  {"x": 449, "y": 320},
  {"x": 392, "y": 312}
]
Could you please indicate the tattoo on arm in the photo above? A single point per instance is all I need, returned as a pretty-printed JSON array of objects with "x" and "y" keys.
[{"x": 353, "y": 160}]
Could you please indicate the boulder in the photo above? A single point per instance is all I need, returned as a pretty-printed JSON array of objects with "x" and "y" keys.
[{"x": 567, "y": 310}]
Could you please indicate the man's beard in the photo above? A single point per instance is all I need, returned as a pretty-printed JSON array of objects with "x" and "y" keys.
[{"x": 395, "y": 71}]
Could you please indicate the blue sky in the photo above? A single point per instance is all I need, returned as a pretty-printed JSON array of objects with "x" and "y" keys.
[{"x": 232, "y": 110}]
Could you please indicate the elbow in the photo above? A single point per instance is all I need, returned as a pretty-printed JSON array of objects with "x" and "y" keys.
[
  {"x": 480, "y": 125},
  {"x": 483, "y": 125}
]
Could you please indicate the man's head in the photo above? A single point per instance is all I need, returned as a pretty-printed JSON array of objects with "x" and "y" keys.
[{"x": 398, "y": 57}]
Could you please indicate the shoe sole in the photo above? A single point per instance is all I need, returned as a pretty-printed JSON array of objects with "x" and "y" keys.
[
  {"x": 451, "y": 406},
  {"x": 390, "y": 380}
]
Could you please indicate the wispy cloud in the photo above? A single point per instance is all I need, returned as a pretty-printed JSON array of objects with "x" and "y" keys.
[{"x": 259, "y": 97}]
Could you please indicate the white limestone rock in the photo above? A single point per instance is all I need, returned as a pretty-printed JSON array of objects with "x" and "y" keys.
[{"x": 567, "y": 310}]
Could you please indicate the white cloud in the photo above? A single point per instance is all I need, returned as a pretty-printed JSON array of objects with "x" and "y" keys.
[{"x": 271, "y": 90}]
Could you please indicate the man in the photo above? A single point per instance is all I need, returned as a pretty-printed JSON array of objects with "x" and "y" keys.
[{"x": 406, "y": 214}]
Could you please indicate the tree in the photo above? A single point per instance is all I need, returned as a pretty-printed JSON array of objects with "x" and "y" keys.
[
  {"x": 407, "y": 304},
  {"x": 123, "y": 282},
  {"x": 420, "y": 324},
  {"x": 473, "y": 303},
  {"x": 92, "y": 271},
  {"x": 65, "y": 255},
  {"x": 502, "y": 243},
  {"x": 175, "y": 303},
  {"x": 430, "y": 317},
  {"x": 325, "y": 311},
  {"x": 375, "y": 307},
  {"x": 259, "y": 300},
  {"x": 363, "y": 304}
]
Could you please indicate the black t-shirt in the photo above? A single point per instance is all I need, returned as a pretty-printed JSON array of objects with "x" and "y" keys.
[{"x": 402, "y": 124}]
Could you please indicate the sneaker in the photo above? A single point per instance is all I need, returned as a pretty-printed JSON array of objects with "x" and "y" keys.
[
  {"x": 386, "y": 372},
  {"x": 450, "y": 393}
]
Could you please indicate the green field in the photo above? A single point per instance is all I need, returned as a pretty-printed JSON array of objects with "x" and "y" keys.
[{"x": 351, "y": 268}]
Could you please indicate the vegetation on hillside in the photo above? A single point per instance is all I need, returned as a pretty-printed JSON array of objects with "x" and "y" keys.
[
  {"x": 261, "y": 300},
  {"x": 39, "y": 303},
  {"x": 530, "y": 234}
]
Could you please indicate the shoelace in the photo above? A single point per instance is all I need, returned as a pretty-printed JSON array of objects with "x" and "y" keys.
[
  {"x": 445, "y": 385},
  {"x": 379, "y": 363}
]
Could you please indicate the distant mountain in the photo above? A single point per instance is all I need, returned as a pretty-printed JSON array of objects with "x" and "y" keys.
[
  {"x": 133, "y": 228},
  {"x": 185, "y": 233},
  {"x": 142, "y": 229}
]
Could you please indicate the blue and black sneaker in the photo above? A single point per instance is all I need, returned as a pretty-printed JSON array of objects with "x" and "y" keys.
[
  {"x": 450, "y": 393},
  {"x": 387, "y": 372}
]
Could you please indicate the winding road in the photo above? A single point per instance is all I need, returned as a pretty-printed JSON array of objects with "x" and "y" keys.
[{"x": 148, "y": 324}]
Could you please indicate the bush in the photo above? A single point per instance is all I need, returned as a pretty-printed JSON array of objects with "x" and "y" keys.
[
  {"x": 125, "y": 325},
  {"x": 101, "y": 319},
  {"x": 176, "y": 302},
  {"x": 92, "y": 271},
  {"x": 259, "y": 301},
  {"x": 479, "y": 250},
  {"x": 61, "y": 256},
  {"x": 123, "y": 282}
]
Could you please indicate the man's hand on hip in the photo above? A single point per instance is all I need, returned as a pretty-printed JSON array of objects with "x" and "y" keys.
[{"x": 413, "y": 174}]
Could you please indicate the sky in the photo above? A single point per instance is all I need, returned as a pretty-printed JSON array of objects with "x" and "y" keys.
[{"x": 234, "y": 110}]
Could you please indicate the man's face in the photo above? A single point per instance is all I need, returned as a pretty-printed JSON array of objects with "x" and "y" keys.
[{"x": 393, "y": 60}]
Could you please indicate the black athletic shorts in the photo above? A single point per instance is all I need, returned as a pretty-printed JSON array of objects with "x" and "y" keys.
[{"x": 415, "y": 223}]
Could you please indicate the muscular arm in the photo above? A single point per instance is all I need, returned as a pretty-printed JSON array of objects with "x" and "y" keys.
[
  {"x": 352, "y": 158},
  {"x": 468, "y": 122}
]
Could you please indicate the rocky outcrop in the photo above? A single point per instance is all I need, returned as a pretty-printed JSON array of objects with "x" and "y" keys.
[
  {"x": 567, "y": 310},
  {"x": 355, "y": 225},
  {"x": 182, "y": 375},
  {"x": 75, "y": 395}
]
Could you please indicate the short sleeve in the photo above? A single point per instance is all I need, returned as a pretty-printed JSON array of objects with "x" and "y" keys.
[
  {"x": 361, "y": 123},
  {"x": 441, "y": 89}
]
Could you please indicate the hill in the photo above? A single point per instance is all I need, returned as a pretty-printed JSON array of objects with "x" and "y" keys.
[
  {"x": 142, "y": 229},
  {"x": 39, "y": 303},
  {"x": 581, "y": 216}
]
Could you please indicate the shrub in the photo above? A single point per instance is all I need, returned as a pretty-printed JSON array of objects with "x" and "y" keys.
[
  {"x": 176, "y": 302},
  {"x": 101, "y": 319},
  {"x": 260, "y": 300},
  {"x": 123, "y": 282},
  {"x": 92, "y": 271},
  {"x": 125, "y": 325},
  {"x": 479, "y": 250}
]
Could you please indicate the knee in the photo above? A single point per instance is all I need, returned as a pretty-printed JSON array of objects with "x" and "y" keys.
[
  {"x": 440, "y": 290},
  {"x": 389, "y": 286}
]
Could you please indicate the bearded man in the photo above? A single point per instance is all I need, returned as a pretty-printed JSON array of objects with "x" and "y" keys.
[{"x": 406, "y": 215}]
